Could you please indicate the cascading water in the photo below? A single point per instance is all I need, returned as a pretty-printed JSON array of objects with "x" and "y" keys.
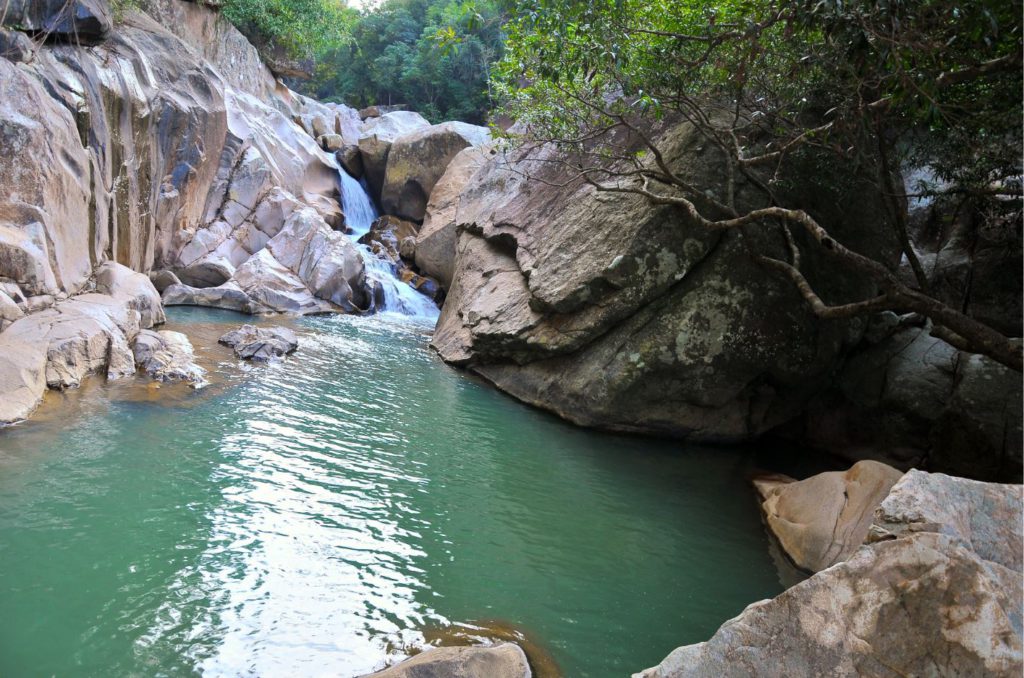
[{"x": 360, "y": 213}]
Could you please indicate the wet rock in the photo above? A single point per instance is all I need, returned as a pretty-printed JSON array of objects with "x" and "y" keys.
[
  {"x": 499, "y": 661},
  {"x": 936, "y": 591},
  {"x": 418, "y": 159},
  {"x": 352, "y": 160},
  {"x": 261, "y": 343},
  {"x": 385, "y": 236},
  {"x": 436, "y": 241},
  {"x": 407, "y": 248},
  {"x": 422, "y": 284},
  {"x": 823, "y": 519},
  {"x": 375, "y": 141},
  {"x": 167, "y": 356}
]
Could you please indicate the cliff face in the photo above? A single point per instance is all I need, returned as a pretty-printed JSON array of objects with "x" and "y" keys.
[
  {"x": 153, "y": 143},
  {"x": 125, "y": 148}
]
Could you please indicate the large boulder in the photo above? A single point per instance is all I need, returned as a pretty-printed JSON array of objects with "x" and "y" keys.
[
  {"x": 418, "y": 159},
  {"x": 912, "y": 399},
  {"x": 505, "y": 660},
  {"x": 437, "y": 239},
  {"x": 936, "y": 591},
  {"x": 822, "y": 520},
  {"x": 135, "y": 290},
  {"x": 618, "y": 313},
  {"x": 377, "y": 136}
]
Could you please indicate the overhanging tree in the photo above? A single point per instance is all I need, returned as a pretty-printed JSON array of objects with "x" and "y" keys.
[{"x": 882, "y": 85}]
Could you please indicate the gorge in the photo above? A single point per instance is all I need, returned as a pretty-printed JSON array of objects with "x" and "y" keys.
[{"x": 524, "y": 410}]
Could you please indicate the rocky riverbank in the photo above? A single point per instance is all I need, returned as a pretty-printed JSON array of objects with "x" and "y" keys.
[
  {"x": 934, "y": 589},
  {"x": 165, "y": 146}
]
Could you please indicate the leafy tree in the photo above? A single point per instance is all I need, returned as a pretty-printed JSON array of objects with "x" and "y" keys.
[
  {"x": 877, "y": 86},
  {"x": 303, "y": 29},
  {"x": 434, "y": 56}
]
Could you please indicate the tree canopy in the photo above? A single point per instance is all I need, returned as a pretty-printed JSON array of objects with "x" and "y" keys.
[
  {"x": 303, "y": 29},
  {"x": 434, "y": 56}
]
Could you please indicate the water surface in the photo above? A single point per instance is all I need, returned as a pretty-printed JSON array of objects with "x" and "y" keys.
[{"x": 313, "y": 517}]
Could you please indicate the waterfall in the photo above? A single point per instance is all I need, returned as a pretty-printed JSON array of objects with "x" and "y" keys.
[{"x": 360, "y": 213}]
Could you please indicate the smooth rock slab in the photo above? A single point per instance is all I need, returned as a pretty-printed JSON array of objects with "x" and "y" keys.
[
  {"x": 261, "y": 343},
  {"x": 823, "y": 519},
  {"x": 168, "y": 356},
  {"x": 506, "y": 660}
]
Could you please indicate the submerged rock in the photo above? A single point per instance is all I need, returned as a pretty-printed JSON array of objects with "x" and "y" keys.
[
  {"x": 261, "y": 343},
  {"x": 168, "y": 356},
  {"x": 936, "y": 590},
  {"x": 822, "y": 520},
  {"x": 498, "y": 661}
]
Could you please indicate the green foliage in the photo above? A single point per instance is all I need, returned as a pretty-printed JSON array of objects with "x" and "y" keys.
[
  {"x": 870, "y": 67},
  {"x": 434, "y": 56},
  {"x": 304, "y": 29}
]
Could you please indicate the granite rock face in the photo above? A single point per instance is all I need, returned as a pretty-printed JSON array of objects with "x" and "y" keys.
[
  {"x": 936, "y": 590},
  {"x": 499, "y": 661},
  {"x": 165, "y": 144},
  {"x": 418, "y": 159},
  {"x": 437, "y": 239}
]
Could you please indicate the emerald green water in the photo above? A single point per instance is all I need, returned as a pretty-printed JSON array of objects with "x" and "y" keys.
[{"x": 310, "y": 518}]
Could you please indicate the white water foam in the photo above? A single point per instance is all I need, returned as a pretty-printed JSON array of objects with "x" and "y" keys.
[{"x": 360, "y": 213}]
